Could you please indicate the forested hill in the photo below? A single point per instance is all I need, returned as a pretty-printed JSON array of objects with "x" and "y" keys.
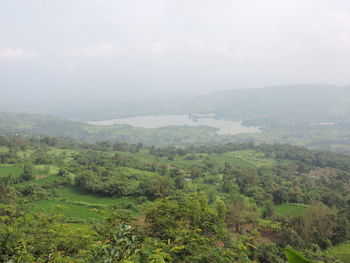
[
  {"x": 275, "y": 105},
  {"x": 33, "y": 125},
  {"x": 40, "y": 125},
  {"x": 281, "y": 105}
]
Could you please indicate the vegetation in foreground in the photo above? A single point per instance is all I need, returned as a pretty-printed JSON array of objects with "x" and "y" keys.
[{"x": 116, "y": 202}]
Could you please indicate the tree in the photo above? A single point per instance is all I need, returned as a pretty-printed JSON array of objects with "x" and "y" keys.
[
  {"x": 168, "y": 216},
  {"x": 239, "y": 212},
  {"x": 157, "y": 187},
  {"x": 316, "y": 225},
  {"x": 280, "y": 196},
  {"x": 269, "y": 209},
  {"x": 41, "y": 156},
  {"x": 28, "y": 172},
  {"x": 163, "y": 169}
]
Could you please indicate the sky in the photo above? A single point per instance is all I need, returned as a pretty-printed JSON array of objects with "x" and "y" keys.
[{"x": 127, "y": 49}]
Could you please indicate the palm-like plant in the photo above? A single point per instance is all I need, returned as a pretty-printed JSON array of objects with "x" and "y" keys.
[
  {"x": 124, "y": 245},
  {"x": 295, "y": 257}
]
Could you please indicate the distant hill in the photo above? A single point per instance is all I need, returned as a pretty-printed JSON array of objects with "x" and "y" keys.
[
  {"x": 311, "y": 115},
  {"x": 269, "y": 106},
  {"x": 278, "y": 105},
  {"x": 35, "y": 125},
  {"x": 40, "y": 125}
]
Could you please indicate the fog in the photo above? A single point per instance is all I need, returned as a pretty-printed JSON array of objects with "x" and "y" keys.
[{"x": 86, "y": 51}]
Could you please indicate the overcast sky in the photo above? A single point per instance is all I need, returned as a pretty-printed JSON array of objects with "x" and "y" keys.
[{"x": 84, "y": 46}]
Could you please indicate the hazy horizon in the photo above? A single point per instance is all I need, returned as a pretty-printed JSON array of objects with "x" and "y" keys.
[{"x": 91, "y": 50}]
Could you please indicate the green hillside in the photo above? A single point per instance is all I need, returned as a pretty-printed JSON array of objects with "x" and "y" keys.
[{"x": 63, "y": 201}]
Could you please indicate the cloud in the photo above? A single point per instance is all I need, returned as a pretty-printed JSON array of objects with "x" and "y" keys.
[
  {"x": 154, "y": 48},
  {"x": 103, "y": 50},
  {"x": 227, "y": 52},
  {"x": 11, "y": 53},
  {"x": 331, "y": 33},
  {"x": 109, "y": 50}
]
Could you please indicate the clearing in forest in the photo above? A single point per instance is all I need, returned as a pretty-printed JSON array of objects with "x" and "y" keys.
[{"x": 290, "y": 209}]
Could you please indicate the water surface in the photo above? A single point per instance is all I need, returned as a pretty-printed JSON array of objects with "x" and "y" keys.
[{"x": 225, "y": 127}]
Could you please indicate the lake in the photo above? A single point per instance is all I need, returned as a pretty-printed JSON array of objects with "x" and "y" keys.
[{"x": 225, "y": 127}]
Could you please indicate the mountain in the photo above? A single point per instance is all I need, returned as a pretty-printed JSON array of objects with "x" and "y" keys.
[
  {"x": 270, "y": 106},
  {"x": 280, "y": 105},
  {"x": 274, "y": 106}
]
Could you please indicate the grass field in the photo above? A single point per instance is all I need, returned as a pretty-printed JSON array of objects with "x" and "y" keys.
[
  {"x": 230, "y": 158},
  {"x": 44, "y": 174},
  {"x": 254, "y": 158},
  {"x": 75, "y": 194},
  {"x": 140, "y": 156},
  {"x": 341, "y": 251},
  {"x": 245, "y": 158},
  {"x": 71, "y": 211},
  {"x": 3, "y": 149},
  {"x": 293, "y": 210},
  {"x": 6, "y": 170},
  {"x": 49, "y": 179},
  {"x": 45, "y": 170},
  {"x": 183, "y": 163},
  {"x": 76, "y": 204}
]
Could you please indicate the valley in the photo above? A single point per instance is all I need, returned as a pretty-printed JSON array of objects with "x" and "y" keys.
[
  {"x": 224, "y": 127},
  {"x": 86, "y": 190}
]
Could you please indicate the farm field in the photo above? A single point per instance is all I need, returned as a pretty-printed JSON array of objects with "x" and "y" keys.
[
  {"x": 75, "y": 204},
  {"x": 140, "y": 156},
  {"x": 255, "y": 158},
  {"x": 45, "y": 170},
  {"x": 48, "y": 180},
  {"x": 72, "y": 193},
  {"x": 70, "y": 211},
  {"x": 293, "y": 210},
  {"x": 342, "y": 251},
  {"x": 3, "y": 149},
  {"x": 6, "y": 170},
  {"x": 244, "y": 158}
]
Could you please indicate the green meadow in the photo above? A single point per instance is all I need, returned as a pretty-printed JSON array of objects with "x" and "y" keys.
[
  {"x": 70, "y": 211},
  {"x": 3, "y": 149},
  {"x": 341, "y": 251},
  {"x": 293, "y": 210},
  {"x": 6, "y": 170},
  {"x": 72, "y": 193},
  {"x": 74, "y": 203},
  {"x": 244, "y": 158}
]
